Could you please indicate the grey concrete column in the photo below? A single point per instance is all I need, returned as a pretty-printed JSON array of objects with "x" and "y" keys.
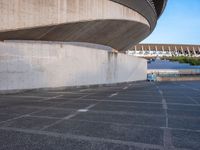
[
  {"x": 188, "y": 51},
  {"x": 163, "y": 49},
  {"x": 169, "y": 48},
  {"x": 176, "y": 50},
  {"x": 195, "y": 54},
  {"x": 182, "y": 50},
  {"x": 143, "y": 49}
]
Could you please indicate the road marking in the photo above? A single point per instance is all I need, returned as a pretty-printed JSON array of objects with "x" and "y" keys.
[
  {"x": 83, "y": 110},
  {"x": 161, "y": 92},
  {"x": 167, "y": 139},
  {"x": 49, "y": 98},
  {"x": 112, "y": 95},
  {"x": 126, "y": 87},
  {"x": 87, "y": 108},
  {"x": 195, "y": 89},
  {"x": 25, "y": 96},
  {"x": 83, "y": 138},
  {"x": 61, "y": 120},
  {"x": 22, "y": 116},
  {"x": 168, "y": 144},
  {"x": 83, "y": 90},
  {"x": 70, "y": 116},
  {"x": 62, "y": 92},
  {"x": 193, "y": 100}
]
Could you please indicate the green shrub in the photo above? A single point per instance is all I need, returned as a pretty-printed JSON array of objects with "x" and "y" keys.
[{"x": 195, "y": 61}]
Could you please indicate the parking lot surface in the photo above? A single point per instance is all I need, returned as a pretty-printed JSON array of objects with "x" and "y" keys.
[{"x": 131, "y": 116}]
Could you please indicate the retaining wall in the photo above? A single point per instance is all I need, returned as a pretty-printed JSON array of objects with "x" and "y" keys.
[{"x": 32, "y": 65}]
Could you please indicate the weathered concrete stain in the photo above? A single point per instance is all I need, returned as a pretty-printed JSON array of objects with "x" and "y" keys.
[{"x": 43, "y": 64}]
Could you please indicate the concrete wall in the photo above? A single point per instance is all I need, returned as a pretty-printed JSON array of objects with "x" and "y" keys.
[
  {"x": 20, "y": 14},
  {"x": 30, "y": 65},
  {"x": 94, "y": 21}
]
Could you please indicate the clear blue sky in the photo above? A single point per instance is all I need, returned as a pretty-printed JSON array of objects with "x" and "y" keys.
[{"x": 179, "y": 24}]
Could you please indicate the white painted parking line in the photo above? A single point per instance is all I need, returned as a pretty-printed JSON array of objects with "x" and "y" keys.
[
  {"x": 193, "y": 100},
  {"x": 87, "y": 108},
  {"x": 61, "y": 92},
  {"x": 49, "y": 98},
  {"x": 195, "y": 89},
  {"x": 83, "y": 138},
  {"x": 22, "y": 116},
  {"x": 70, "y": 116},
  {"x": 167, "y": 139},
  {"x": 125, "y": 88},
  {"x": 59, "y": 121},
  {"x": 91, "y": 106},
  {"x": 83, "y": 110},
  {"x": 112, "y": 95},
  {"x": 83, "y": 90},
  {"x": 26, "y": 96},
  {"x": 161, "y": 92}
]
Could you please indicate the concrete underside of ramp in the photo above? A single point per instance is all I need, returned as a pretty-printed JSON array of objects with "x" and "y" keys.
[
  {"x": 32, "y": 65},
  {"x": 101, "y": 22}
]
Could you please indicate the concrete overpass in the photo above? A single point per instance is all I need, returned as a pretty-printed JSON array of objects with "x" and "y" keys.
[
  {"x": 41, "y": 38},
  {"x": 149, "y": 50}
]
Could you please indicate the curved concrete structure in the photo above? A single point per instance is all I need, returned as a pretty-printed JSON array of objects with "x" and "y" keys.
[
  {"x": 49, "y": 43},
  {"x": 115, "y": 23}
]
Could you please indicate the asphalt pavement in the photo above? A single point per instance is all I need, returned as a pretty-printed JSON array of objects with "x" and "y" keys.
[{"x": 131, "y": 116}]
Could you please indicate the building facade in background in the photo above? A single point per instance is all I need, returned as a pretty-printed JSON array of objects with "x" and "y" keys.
[{"x": 164, "y": 50}]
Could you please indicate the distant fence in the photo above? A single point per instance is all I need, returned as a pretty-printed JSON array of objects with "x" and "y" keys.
[{"x": 170, "y": 74}]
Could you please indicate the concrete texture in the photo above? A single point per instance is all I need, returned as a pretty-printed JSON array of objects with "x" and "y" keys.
[
  {"x": 30, "y": 65},
  {"x": 130, "y": 116},
  {"x": 94, "y": 21},
  {"x": 114, "y": 25}
]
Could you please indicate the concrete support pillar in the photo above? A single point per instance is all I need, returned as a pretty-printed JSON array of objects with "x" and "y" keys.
[
  {"x": 156, "y": 50},
  {"x": 182, "y": 50},
  {"x": 194, "y": 51},
  {"x": 163, "y": 49},
  {"x": 149, "y": 48},
  {"x": 142, "y": 49},
  {"x": 188, "y": 49},
  {"x": 169, "y": 48},
  {"x": 176, "y": 51}
]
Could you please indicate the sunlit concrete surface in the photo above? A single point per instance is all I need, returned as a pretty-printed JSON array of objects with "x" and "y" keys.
[
  {"x": 134, "y": 116},
  {"x": 41, "y": 62},
  {"x": 94, "y": 21},
  {"x": 31, "y": 65}
]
